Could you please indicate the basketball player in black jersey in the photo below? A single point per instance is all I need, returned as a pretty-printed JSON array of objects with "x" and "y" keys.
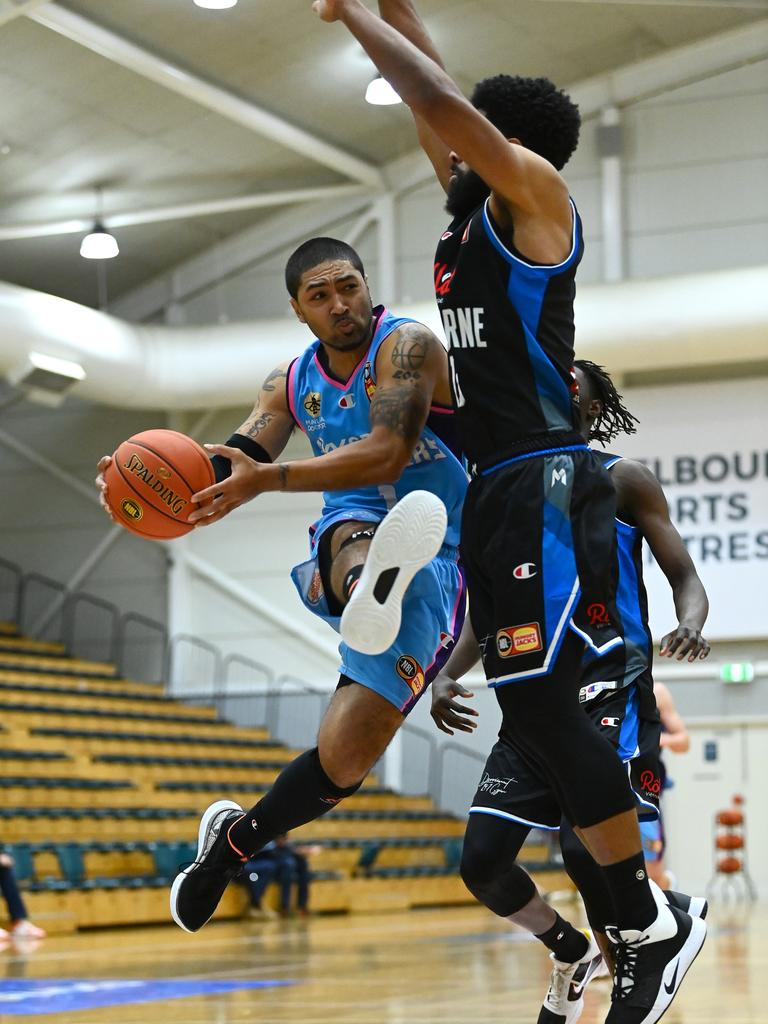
[
  {"x": 537, "y": 535},
  {"x": 617, "y": 693}
]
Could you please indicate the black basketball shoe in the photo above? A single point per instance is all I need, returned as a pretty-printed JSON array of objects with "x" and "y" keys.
[
  {"x": 696, "y": 906},
  {"x": 651, "y": 965},
  {"x": 198, "y": 888}
]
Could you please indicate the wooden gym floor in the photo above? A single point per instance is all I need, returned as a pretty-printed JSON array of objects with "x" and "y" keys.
[{"x": 457, "y": 966}]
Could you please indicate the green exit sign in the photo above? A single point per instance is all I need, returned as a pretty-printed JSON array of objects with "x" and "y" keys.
[{"x": 737, "y": 672}]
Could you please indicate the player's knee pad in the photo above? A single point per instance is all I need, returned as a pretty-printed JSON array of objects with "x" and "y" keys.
[{"x": 489, "y": 870}]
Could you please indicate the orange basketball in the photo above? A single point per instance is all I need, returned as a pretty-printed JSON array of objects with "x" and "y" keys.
[{"x": 151, "y": 480}]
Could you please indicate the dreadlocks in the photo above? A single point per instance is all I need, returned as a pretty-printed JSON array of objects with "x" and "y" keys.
[{"x": 614, "y": 419}]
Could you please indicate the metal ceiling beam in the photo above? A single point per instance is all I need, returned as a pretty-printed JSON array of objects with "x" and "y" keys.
[
  {"x": 183, "y": 211},
  {"x": 117, "y": 49},
  {"x": 12, "y": 9},
  {"x": 233, "y": 255},
  {"x": 632, "y": 83},
  {"x": 673, "y": 69}
]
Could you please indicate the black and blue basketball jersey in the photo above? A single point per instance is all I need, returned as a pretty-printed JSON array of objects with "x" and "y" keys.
[
  {"x": 628, "y": 663},
  {"x": 509, "y": 325}
]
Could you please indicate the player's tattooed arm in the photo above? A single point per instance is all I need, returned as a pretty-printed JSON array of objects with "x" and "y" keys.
[
  {"x": 401, "y": 404},
  {"x": 270, "y": 422},
  {"x": 270, "y": 426}
]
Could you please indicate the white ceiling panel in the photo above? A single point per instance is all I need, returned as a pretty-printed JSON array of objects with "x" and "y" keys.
[{"x": 73, "y": 120}]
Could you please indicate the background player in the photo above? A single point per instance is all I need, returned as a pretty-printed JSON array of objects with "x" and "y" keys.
[
  {"x": 617, "y": 693},
  {"x": 505, "y": 281},
  {"x": 674, "y": 737},
  {"x": 372, "y": 395}
]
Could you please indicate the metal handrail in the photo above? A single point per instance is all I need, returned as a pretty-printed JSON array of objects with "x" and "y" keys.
[
  {"x": 240, "y": 659},
  {"x": 151, "y": 624},
  {"x": 432, "y": 763},
  {"x": 204, "y": 645},
  {"x": 71, "y": 602},
  {"x": 458, "y": 748},
  {"x": 274, "y": 696},
  {"x": 18, "y": 576},
  {"x": 46, "y": 581}
]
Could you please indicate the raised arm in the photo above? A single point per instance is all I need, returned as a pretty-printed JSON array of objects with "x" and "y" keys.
[
  {"x": 403, "y": 17},
  {"x": 519, "y": 179},
  {"x": 640, "y": 494},
  {"x": 409, "y": 365}
]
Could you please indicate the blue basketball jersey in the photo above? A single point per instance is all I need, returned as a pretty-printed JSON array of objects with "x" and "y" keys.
[
  {"x": 626, "y": 664},
  {"x": 333, "y": 414}
]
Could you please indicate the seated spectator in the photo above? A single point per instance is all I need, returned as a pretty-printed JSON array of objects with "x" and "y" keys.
[
  {"x": 258, "y": 872},
  {"x": 21, "y": 926},
  {"x": 285, "y": 864}
]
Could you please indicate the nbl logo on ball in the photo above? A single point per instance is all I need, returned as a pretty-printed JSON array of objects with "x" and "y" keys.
[{"x": 131, "y": 509}]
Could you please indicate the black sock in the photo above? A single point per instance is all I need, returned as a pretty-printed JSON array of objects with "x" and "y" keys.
[
  {"x": 301, "y": 792},
  {"x": 631, "y": 893},
  {"x": 566, "y": 942}
]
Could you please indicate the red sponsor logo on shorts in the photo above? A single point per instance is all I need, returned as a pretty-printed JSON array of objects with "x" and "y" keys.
[
  {"x": 598, "y": 615},
  {"x": 650, "y": 782},
  {"x": 523, "y": 639},
  {"x": 411, "y": 671}
]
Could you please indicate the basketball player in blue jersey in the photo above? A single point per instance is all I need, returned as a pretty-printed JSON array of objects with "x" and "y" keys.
[
  {"x": 617, "y": 693},
  {"x": 537, "y": 534},
  {"x": 372, "y": 395}
]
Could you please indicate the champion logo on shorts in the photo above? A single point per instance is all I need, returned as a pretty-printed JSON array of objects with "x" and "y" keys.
[
  {"x": 526, "y": 571},
  {"x": 523, "y": 639},
  {"x": 613, "y": 722}
]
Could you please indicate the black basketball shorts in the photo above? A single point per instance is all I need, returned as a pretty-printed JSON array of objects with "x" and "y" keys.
[
  {"x": 539, "y": 548},
  {"x": 513, "y": 787}
]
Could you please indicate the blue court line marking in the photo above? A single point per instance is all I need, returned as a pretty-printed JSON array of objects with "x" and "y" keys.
[{"x": 24, "y": 997}]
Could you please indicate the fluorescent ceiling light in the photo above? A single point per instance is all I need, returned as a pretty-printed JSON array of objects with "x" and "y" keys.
[
  {"x": 381, "y": 94},
  {"x": 99, "y": 244},
  {"x": 46, "y": 379},
  {"x": 216, "y": 5}
]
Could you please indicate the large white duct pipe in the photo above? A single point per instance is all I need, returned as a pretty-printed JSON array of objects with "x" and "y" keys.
[{"x": 705, "y": 319}]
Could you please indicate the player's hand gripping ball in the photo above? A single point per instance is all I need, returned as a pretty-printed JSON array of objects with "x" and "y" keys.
[{"x": 147, "y": 485}]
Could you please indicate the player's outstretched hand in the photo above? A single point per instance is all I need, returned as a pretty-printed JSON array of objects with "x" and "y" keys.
[
  {"x": 101, "y": 484},
  {"x": 220, "y": 499},
  {"x": 329, "y": 10},
  {"x": 446, "y": 713},
  {"x": 684, "y": 640}
]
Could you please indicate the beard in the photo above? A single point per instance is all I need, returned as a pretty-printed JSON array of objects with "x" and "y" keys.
[{"x": 465, "y": 194}]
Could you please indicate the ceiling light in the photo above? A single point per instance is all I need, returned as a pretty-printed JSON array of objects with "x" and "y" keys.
[
  {"x": 215, "y": 5},
  {"x": 381, "y": 94},
  {"x": 46, "y": 379},
  {"x": 99, "y": 244}
]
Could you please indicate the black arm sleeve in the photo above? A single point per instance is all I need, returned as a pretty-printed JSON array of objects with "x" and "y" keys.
[{"x": 223, "y": 467}]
